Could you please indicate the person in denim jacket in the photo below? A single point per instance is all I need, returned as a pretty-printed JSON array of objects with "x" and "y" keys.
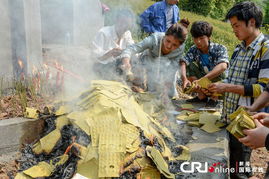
[{"x": 160, "y": 16}]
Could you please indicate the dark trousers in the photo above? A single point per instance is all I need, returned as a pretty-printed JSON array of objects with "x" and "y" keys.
[
  {"x": 267, "y": 171},
  {"x": 238, "y": 153}
]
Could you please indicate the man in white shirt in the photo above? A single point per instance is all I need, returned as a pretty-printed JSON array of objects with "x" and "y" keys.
[{"x": 110, "y": 41}]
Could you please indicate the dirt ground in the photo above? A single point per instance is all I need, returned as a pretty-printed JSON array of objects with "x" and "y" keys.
[
  {"x": 259, "y": 158},
  {"x": 12, "y": 106},
  {"x": 8, "y": 165}
]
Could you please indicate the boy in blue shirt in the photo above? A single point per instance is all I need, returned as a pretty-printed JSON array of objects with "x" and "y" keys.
[{"x": 204, "y": 59}]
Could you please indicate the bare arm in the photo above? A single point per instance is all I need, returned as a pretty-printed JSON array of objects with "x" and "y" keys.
[
  {"x": 224, "y": 87},
  {"x": 217, "y": 70},
  {"x": 255, "y": 138},
  {"x": 260, "y": 102},
  {"x": 126, "y": 65},
  {"x": 183, "y": 75}
]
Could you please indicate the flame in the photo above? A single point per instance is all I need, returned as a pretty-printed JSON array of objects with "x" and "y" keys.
[
  {"x": 34, "y": 70},
  {"x": 20, "y": 63},
  {"x": 45, "y": 66},
  {"x": 56, "y": 64}
]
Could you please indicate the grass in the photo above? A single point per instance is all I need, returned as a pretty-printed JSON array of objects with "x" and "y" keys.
[
  {"x": 138, "y": 6},
  {"x": 21, "y": 90},
  {"x": 18, "y": 94}
]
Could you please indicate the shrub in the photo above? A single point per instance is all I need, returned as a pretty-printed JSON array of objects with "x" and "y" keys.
[{"x": 213, "y": 8}]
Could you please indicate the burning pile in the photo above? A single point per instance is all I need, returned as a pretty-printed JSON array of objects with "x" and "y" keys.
[{"x": 102, "y": 133}]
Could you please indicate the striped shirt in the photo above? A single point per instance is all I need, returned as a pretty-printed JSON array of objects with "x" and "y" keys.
[{"x": 249, "y": 67}]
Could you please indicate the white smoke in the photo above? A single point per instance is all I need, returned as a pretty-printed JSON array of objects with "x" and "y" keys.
[{"x": 68, "y": 27}]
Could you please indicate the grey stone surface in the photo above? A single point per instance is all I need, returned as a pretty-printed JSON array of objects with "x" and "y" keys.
[
  {"x": 70, "y": 22},
  {"x": 24, "y": 30},
  {"x": 18, "y": 131},
  {"x": 5, "y": 45},
  {"x": 88, "y": 19},
  {"x": 207, "y": 147},
  {"x": 33, "y": 34},
  {"x": 211, "y": 148}
]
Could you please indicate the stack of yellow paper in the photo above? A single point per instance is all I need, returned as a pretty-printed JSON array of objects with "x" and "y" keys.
[
  {"x": 208, "y": 121},
  {"x": 240, "y": 120},
  {"x": 204, "y": 82}
]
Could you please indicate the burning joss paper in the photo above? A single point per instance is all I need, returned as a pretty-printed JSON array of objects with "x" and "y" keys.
[{"x": 105, "y": 134}]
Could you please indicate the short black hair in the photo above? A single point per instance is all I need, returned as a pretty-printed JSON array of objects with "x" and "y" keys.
[
  {"x": 200, "y": 28},
  {"x": 246, "y": 10},
  {"x": 179, "y": 30}
]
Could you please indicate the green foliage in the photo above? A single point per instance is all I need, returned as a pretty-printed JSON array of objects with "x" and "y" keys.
[
  {"x": 200, "y": 7},
  {"x": 138, "y": 6},
  {"x": 213, "y": 8},
  {"x": 265, "y": 29},
  {"x": 266, "y": 16},
  {"x": 220, "y": 8}
]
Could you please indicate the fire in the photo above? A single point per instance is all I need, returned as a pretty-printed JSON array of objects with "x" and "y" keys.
[
  {"x": 59, "y": 75},
  {"x": 21, "y": 69},
  {"x": 20, "y": 63},
  {"x": 45, "y": 66},
  {"x": 36, "y": 78},
  {"x": 34, "y": 70},
  {"x": 46, "y": 71}
]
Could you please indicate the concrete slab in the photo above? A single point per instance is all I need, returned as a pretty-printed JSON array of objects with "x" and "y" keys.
[
  {"x": 18, "y": 131},
  {"x": 5, "y": 46},
  {"x": 33, "y": 34},
  {"x": 207, "y": 149},
  {"x": 70, "y": 22},
  {"x": 210, "y": 148},
  {"x": 88, "y": 20},
  {"x": 25, "y": 35}
]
